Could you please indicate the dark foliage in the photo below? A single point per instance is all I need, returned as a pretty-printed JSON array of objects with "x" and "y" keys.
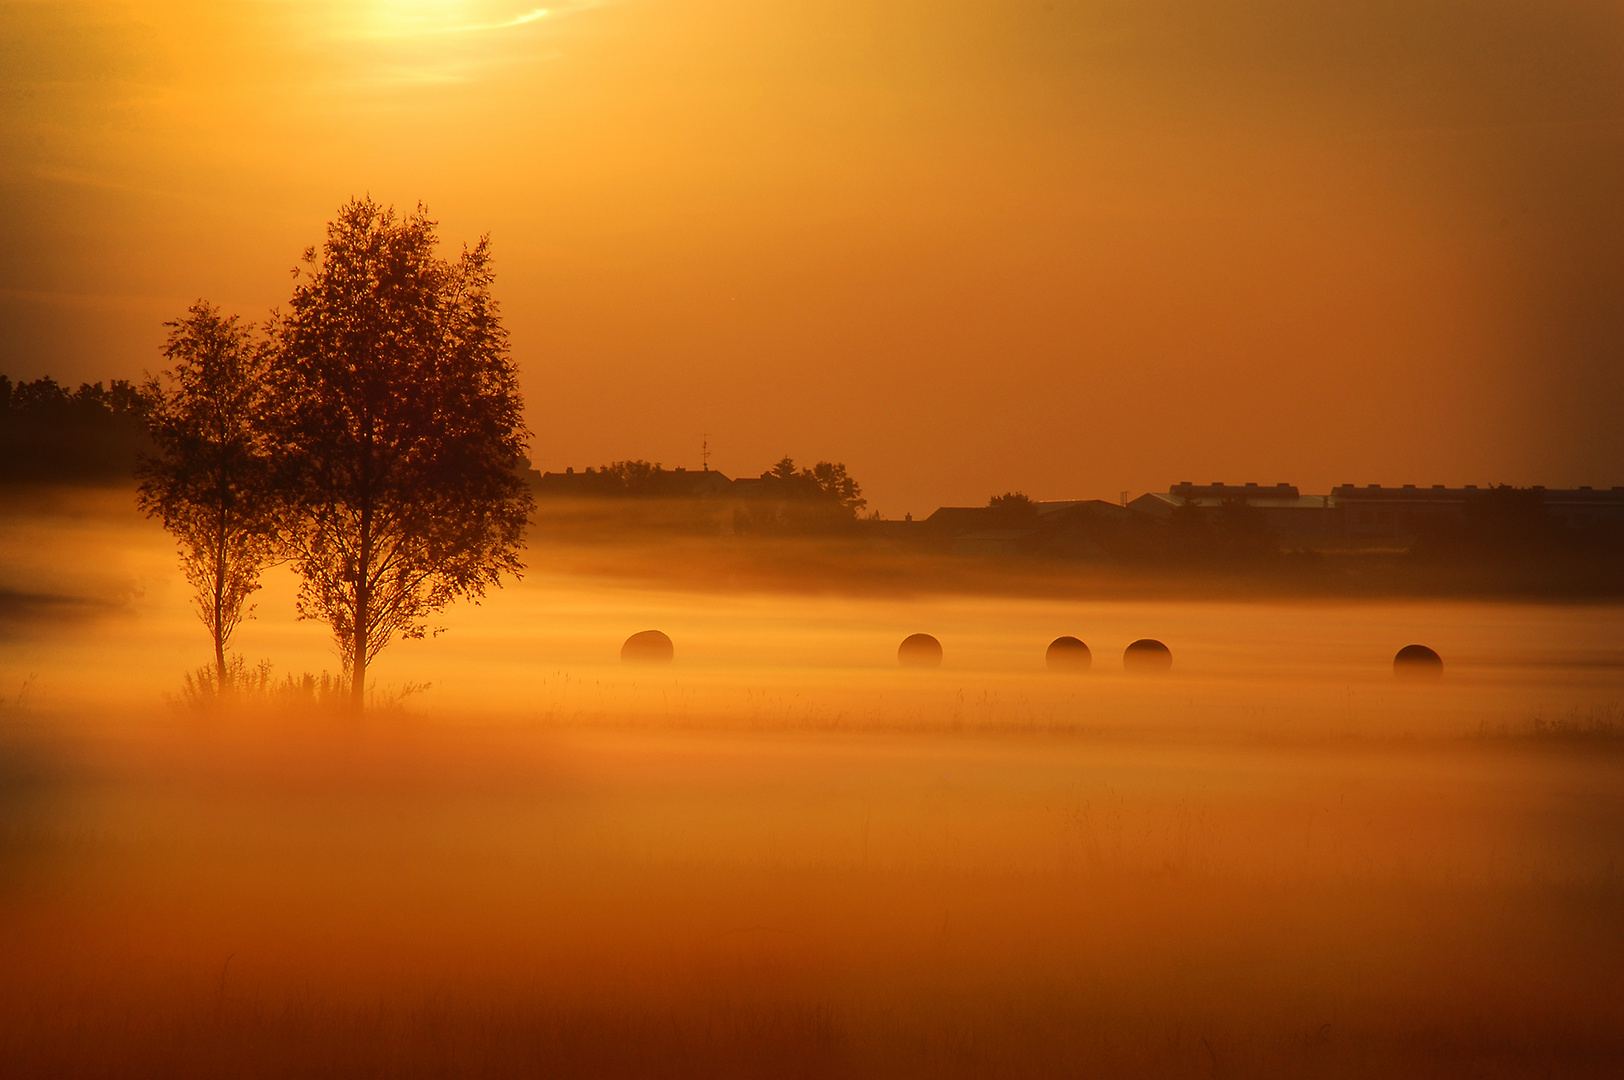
[
  {"x": 1012, "y": 510},
  {"x": 634, "y": 479},
  {"x": 826, "y": 482},
  {"x": 92, "y": 435},
  {"x": 631, "y": 477},
  {"x": 209, "y": 480},
  {"x": 400, "y": 429},
  {"x": 787, "y": 500}
]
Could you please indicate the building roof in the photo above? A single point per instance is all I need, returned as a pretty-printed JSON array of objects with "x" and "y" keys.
[
  {"x": 957, "y": 517},
  {"x": 1075, "y": 509},
  {"x": 1437, "y": 493},
  {"x": 1155, "y": 504},
  {"x": 1219, "y": 490},
  {"x": 1207, "y": 496}
]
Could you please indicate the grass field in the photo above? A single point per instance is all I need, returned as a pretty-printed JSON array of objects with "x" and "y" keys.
[{"x": 783, "y": 856}]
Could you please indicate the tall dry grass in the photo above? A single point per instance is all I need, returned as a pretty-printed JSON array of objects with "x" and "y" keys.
[{"x": 423, "y": 895}]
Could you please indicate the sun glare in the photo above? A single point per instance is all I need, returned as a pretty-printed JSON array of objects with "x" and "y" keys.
[
  {"x": 517, "y": 20},
  {"x": 402, "y": 18}
]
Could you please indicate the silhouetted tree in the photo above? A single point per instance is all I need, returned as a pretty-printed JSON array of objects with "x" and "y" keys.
[
  {"x": 836, "y": 486},
  {"x": 1012, "y": 509},
  {"x": 207, "y": 481},
  {"x": 826, "y": 482},
  {"x": 824, "y": 498},
  {"x": 401, "y": 425},
  {"x": 635, "y": 477}
]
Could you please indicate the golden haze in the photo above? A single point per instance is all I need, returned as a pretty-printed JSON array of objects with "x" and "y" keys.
[
  {"x": 784, "y": 855},
  {"x": 1065, "y": 247},
  {"x": 1058, "y": 246}
]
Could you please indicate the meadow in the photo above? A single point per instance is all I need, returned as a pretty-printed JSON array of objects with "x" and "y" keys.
[{"x": 783, "y": 855}]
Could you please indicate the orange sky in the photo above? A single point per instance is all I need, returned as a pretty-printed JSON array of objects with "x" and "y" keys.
[{"x": 1063, "y": 247}]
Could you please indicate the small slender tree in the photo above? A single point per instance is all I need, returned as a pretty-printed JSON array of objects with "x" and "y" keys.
[
  {"x": 400, "y": 425},
  {"x": 207, "y": 481}
]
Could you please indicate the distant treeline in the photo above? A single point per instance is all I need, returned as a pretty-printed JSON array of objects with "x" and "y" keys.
[
  {"x": 783, "y": 499},
  {"x": 51, "y": 434},
  {"x": 634, "y": 479},
  {"x": 1505, "y": 540},
  {"x": 99, "y": 434}
]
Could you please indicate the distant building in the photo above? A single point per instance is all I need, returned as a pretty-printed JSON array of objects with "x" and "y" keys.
[
  {"x": 1586, "y": 505},
  {"x": 1374, "y": 512},
  {"x": 1407, "y": 511},
  {"x": 704, "y": 484},
  {"x": 1283, "y": 510},
  {"x": 1060, "y": 527}
]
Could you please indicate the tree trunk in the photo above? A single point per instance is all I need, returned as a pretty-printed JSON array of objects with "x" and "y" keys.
[
  {"x": 358, "y": 673},
  {"x": 220, "y": 674},
  {"x": 358, "y": 665}
]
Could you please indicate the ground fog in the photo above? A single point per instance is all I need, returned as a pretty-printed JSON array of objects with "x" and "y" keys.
[{"x": 782, "y": 855}]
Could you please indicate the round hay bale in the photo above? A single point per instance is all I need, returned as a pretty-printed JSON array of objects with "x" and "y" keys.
[
  {"x": 1417, "y": 662},
  {"x": 919, "y": 650},
  {"x": 1068, "y": 654},
  {"x": 1147, "y": 655},
  {"x": 647, "y": 647}
]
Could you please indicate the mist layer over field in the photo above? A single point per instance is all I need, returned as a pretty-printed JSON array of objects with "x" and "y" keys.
[{"x": 782, "y": 854}]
